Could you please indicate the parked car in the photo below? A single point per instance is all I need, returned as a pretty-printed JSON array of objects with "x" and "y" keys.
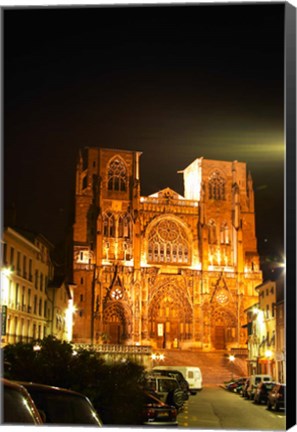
[
  {"x": 234, "y": 385},
  {"x": 184, "y": 385},
  {"x": 276, "y": 397},
  {"x": 61, "y": 406},
  {"x": 157, "y": 413},
  {"x": 18, "y": 406},
  {"x": 254, "y": 381},
  {"x": 262, "y": 390},
  {"x": 166, "y": 389},
  {"x": 192, "y": 374}
]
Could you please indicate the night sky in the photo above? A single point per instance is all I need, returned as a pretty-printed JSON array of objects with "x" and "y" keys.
[{"x": 175, "y": 82}]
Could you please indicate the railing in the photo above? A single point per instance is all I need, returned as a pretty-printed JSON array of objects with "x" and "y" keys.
[
  {"x": 239, "y": 352},
  {"x": 166, "y": 201},
  {"x": 112, "y": 348}
]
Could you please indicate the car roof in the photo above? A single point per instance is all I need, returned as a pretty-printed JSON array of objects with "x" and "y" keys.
[
  {"x": 152, "y": 376},
  {"x": 21, "y": 389},
  {"x": 48, "y": 388}
]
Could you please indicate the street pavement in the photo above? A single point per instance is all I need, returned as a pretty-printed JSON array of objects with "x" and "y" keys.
[{"x": 215, "y": 408}]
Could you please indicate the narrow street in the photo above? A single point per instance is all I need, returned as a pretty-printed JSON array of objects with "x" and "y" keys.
[{"x": 215, "y": 408}]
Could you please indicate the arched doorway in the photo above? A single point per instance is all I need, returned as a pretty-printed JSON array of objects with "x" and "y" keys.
[
  {"x": 115, "y": 324},
  {"x": 170, "y": 317},
  {"x": 223, "y": 327}
]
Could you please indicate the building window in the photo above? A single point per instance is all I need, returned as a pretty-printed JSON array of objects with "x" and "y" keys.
[
  {"x": 41, "y": 281},
  {"x": 85, "y": 182},
  {"x": 108, "y": 225},
  {"x": 17, "y": 295},
  {"x": 18, "y": 267},
  {"x": 168, "y": 243},
  {"x": 117, "y": 175},
  {"x": 4, "y": 253},
  {"x": 29, "y": 300},
  {"x": 212, "y": 232},
  {"x": 35, "y": 305},
  {"x": 30, "y": 270},
  {"x": 125, "y": 226},
  {"x": 25, "y": 266},
  {"x": 36, "y": 279},
  {"x": 23, "y": 298},
  {"x": 12, "y": 257},
  {"x": 216, "y": 186},
  {"x": 224, "y": 233}
]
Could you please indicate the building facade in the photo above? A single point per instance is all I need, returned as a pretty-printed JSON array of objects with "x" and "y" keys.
[
  {"x": 266, "y": 331},
  {"x": 267, "y": 342},
  {"x": 164, "y": 270},
  {"x": 29, "y": 307}
]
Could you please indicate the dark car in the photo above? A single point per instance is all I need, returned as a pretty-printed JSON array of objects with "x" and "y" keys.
[
  {"x": 18, "y": 406},
  {"x": 262, "y": 390},
  {"x": 234, "y": 385},
  {"x": 157, "y": 413},
  {"x": 276, "y": 397},
  {"x": 166, "y": 388},
  {"x": 61, "y": 406},
  {"x": 184, "y": 385}
]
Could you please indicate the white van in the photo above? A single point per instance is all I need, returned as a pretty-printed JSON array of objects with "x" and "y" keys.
[{"x": 191, "y": 374}]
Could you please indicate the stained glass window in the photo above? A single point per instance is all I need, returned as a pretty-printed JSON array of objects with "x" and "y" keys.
[
  {"x": 168, "y": 243},
  {"x": 216, "y": 186},
  {"x": 117, "y": 175}
]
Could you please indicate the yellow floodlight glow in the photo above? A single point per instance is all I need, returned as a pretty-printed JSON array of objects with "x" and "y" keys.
[
  {"x": 231, "y": 358},
  {"x": 161, "y": 357},
  {"x": 69, "y": 319},
  {"x": 268, "y": 353},
  {"x": 6, "y": 271}
]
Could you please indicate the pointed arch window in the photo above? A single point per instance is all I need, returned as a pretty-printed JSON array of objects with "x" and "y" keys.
[
  {"x": 168, "y": 243},
  {"x": 108, "y": 225},
  {"x": 212, "y": 232},
  {"x": 216, "y": 186},
  {"x": 224, "y": 233},
  {"x": 125, "y": 226},
  {"x": 117, "y": 175}
]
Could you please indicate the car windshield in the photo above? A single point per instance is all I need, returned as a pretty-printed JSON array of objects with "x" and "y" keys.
[
  {"x": 16, "y": 408},
  {"x": 64, "y": 408}
]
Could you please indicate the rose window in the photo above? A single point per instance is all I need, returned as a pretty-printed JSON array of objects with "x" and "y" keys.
[
  {"x": 117, "y": 294},
  {"x": 222, "y": 297},
  {"x": 168, "y": 243}
]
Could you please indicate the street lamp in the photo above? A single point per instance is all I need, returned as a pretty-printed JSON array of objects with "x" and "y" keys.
[
  {"x": 232, "y": 359},
  {"x": 156, "y": 357}
]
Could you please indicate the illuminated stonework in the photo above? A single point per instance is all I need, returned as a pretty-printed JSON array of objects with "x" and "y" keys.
[{"x": 164, "y": 269}]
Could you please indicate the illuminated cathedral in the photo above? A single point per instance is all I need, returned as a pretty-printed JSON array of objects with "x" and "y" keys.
[{"x": 164, "y": 270}]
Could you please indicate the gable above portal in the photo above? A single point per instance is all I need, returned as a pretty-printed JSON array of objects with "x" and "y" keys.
[{"x": 167, "y": 193}]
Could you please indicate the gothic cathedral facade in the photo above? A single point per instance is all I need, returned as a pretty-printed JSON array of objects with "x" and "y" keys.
[{"x": 163, "y": 270}]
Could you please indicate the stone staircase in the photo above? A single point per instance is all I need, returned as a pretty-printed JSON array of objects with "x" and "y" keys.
[{"x": 215, "y": 366}]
